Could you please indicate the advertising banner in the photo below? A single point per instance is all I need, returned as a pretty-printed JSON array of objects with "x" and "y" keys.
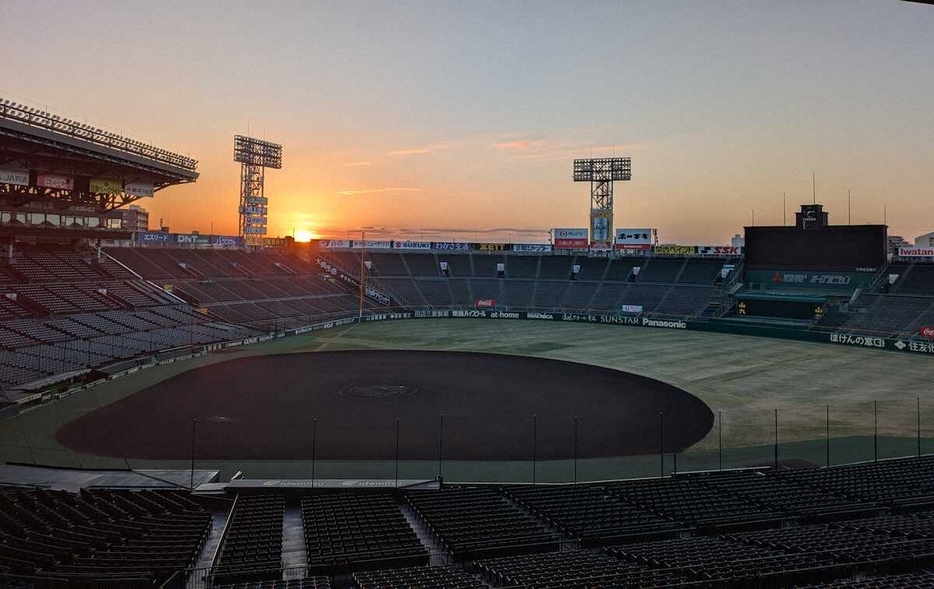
[
  {"x": 254, "y": 210},
  {"x": 633, "y": 239},
  {"x": 601, "y": 226},
  {"x": 55, "y": 181},
  {"x": 634, "y": 309},
  {"x": 226, "y": 241},
  {"x": 785, "y": 279},
  {"x": 372, "y": 245},
  {"x": 155, "y": 237},
  {"x": 411, "y": 245},
  {"x": 450, "y": 246},
  {"x": 926, "y": 331},
  {"x": 106, "y": 186},
  {"x": 15, "y": 177},
  {"x": 492, "y": 247},
  {"x": 916, "y": 252},
  {"x": 139, "y": 189},
  {"x": 675, "y": 250},
  {"x": 570, "y": 239},
  {"x": 531, "y": 247},
  {"x": 334, "y": 243},
  {"x": 485, "y": 304},
  {"x": 187, "y": 239},
  {"x": 719, "y": 250}
]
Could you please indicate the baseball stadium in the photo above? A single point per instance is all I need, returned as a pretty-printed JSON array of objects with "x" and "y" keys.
[{"x": 369, "y": 410}]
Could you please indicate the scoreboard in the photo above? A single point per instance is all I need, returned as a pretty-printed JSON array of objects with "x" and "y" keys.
[{"x": 846, "y": 248}]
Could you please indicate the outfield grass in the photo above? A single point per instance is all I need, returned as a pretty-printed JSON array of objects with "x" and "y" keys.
[{"x": 745, "y": 378}]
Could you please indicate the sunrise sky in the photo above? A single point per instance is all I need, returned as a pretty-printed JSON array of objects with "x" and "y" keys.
[{"x": 461, "y": 119}]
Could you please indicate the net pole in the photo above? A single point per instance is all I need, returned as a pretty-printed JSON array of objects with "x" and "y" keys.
[
  {"x": 661, "y": 444},
  {"x": 440, "y": 442},
  {"x": 314, "y": 449},
  {"x": 575, "y": 449}
]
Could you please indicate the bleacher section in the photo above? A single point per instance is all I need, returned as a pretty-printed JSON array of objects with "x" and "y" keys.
[
  {"x": 861, "y": 525},
  {"x": 476, "y": 522},
  {"x": 252, "y": 546},
  {"x": 664, "y": 286},
  {"x": 264, "y": 290},
  {"x": 352, "y": 532},
  {"x": 65, "y": 310},
  {"x": 125, "y": 538}
]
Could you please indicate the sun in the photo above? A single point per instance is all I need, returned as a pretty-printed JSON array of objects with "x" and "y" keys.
[{"x": 304, "y": 235}]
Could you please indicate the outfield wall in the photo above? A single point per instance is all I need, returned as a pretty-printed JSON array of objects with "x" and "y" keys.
[{"x": 844, "y": 338}]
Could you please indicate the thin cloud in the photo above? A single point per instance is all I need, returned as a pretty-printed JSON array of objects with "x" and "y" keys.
[
  {"x": 522, "y": 144},
  {"x": 356, "y": 164},
  {"x": 354, "y": 192},
  {"x": 410, "y": 152},
  {"x": 421, "y": 150}
]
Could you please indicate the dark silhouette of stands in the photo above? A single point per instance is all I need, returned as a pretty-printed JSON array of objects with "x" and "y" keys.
[
  {"x": 101, "y": 537},
  {"x": 861, "y": 525},
  {"x": 447, "y": 577},
  {"x": 592, "y": 515},
  {"x": 251, "y": 549},
  {"x": 351, "y": 532},
  {"x": 475, "y": 522}
]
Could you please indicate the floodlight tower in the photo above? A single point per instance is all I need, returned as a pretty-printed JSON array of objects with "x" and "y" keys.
[
  {"x": 254, "y": 155},
  {"x": 601, "y": 173}
]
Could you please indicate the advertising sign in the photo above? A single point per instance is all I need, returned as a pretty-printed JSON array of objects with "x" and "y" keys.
[
  {"x": 916, "y": 252},
  {"x": 139, "y": 189},
  {"x": 485, "y": 304},
  {"x": 634, "y": 309},
  {"x": 411, "y": 245},
  {"x": 531, "y": 247},
  {"x": 675, "y": 250},
  {"x": 372, "y": 245},
  {"x": 55, "y": 181},
  {"x": 106, "y": 186},
  {"x": 192, "y": 239},
  {"x": 334, "y": 243},
  {"x": 15, "y": 177},
  {"x": 226, "y": 241},
  {"x": 926, "y": 331},
  {"x": 492, "y": 247},
  {"x": 719, "y": 250},
  {"x": 634, "y": 239},
  {"x": 450, "y": 246},
  {"x": 155, "y": 237},
  {"x": 570, "y": 239},
  {"x": 601, "y": 226}
]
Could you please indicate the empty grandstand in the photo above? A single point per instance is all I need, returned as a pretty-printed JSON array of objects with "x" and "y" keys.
[{"x": 830, "y": 527}]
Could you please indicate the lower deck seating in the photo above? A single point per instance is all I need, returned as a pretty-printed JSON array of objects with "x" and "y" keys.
[
  {"x": 348, "y": 532},
  {"x": 252, "y": 546},
  {"x": 473, "y": 522},
  {"x": 447, "y": 577}
]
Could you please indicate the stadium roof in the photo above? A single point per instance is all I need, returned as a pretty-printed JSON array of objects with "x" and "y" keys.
[{"x": 37, "y": 137}]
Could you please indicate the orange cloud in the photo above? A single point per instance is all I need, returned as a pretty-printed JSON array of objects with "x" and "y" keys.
[
  {"x": 354, "y": 192},
  {"x": 521, "y": 144},
  {"x": 410, "y": 152}
]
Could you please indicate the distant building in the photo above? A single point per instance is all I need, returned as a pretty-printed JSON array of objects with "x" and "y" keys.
[
  {"x": 738, "y": 240},
  {"x": 135, "y": 218},
  {"x": 894, "y": 242},
  {"x": 926, "y": 240}
]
